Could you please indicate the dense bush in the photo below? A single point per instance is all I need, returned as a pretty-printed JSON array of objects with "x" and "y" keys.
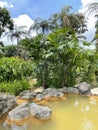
[
  {"x": 10, "y": 50},
  {"x": 15, "y": 68},
  {"x": 14, "y": 87}
]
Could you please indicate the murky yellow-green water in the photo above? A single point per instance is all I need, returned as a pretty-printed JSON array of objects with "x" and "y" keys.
[{"x": 75, "y": 113}]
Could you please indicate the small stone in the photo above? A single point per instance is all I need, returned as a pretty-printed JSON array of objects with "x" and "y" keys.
[
  {"x": 73, "y": 90},
  {"x": 40, "y": 97},
  {"x": 39, "y": 90}
]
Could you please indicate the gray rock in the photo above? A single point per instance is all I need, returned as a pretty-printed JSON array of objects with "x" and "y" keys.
[
  {"x": 7, "y": 103},
  {"x": 24, "y": 92},
  {"x": 2, "y": 104},
  {"x": 84, "y": 88},
  {"x": 33, "y": 95},
  {"x": 27, "y": 95},
  {"x": 40, "y": 112},
  {"x": 94, "y": 91},
  {"x": 11, "y": 103},
  {"x": 49, "y": 92},
  {"x": 60, "y": 90},
  {"x": 63, "y": 90},
  {"x": 10, "y": 97},
  {"x": 48, "y": 95},
  {"x": 40, "y": 97},
  {"x": 19, "y": 113},
  {"x": 73, "y": 90},
  {"x": 3, "y": 97}
]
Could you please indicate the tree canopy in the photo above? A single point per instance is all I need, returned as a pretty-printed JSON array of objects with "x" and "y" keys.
[{"x": 6, "y": 23}]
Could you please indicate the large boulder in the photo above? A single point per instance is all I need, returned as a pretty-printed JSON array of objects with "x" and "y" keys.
[
  {"x": 26, "y": 110},
  {"x": 94, "y": 91},
  {"x": 40, "y": 112},
  {"x": 84, "y": 88},
  {"x": 7, "y": 102},
  {"x": 19, "y": 113}
]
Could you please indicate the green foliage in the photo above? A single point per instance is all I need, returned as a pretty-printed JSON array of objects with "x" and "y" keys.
[
  {"x": 14, "y": 68},
  {"x": 5, "y": 20},
  {"x": 66, "y": 57},
  {"x": 14, "y": 87},
  {"x": 90, "y": 69},
  {"x": 59, "y": 60},
  {"x": 10, "y": 50},
  {"x": 56, "y": 56}
]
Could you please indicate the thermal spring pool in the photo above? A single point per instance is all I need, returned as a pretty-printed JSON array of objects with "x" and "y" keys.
[{"x": 76, "y": 112}]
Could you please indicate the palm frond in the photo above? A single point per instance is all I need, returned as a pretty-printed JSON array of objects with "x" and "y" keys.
[{"x": 92, "y": 8}]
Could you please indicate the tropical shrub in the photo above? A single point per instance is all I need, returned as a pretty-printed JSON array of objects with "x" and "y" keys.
[
  {"x": 15, "y": 68},
  {"x": 57, "y": 58},
  {"x": 10, "y": 50},
  {"x": 14, "y": 87}
]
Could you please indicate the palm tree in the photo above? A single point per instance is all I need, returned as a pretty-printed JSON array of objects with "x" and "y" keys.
[
  {"x": 41, "y": 26},
  {"x": 92, "y": 8},
  {"x": 61, "y": 19},
  {"x": 66, "y": 19},
  {"x": 63, "y": 16},
  {"x": 17, "y": 33},
  {"x": 53, "y": 20},
  {"x": 78, "y": 22},
  {"x": 35, "y": 26},
  {"x": 96, "y": 34}
]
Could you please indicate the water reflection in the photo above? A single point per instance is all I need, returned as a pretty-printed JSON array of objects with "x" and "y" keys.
[
  {"x": 76, "y": 103},
  {"x": 87, "y": 125},
  {"x": 85, "y": 108},
  {"x": 93, "y": 101},
  {"x": 83, "y": 105}
]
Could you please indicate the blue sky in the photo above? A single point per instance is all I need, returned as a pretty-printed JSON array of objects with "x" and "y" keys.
[
  {"x": 40, "y": 8},
  {"x": 24, "y": 12}
]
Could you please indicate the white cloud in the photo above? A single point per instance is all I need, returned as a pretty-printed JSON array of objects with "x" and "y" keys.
[
  {"x": 24, "y": 20},
  {"x": 91, "y": 20},
  {"x": 6, "y": 4},
  {"x": 21, "y": 20},
  {"x": 85, "y": 2},
  {"x": 83, "y": 8}
]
